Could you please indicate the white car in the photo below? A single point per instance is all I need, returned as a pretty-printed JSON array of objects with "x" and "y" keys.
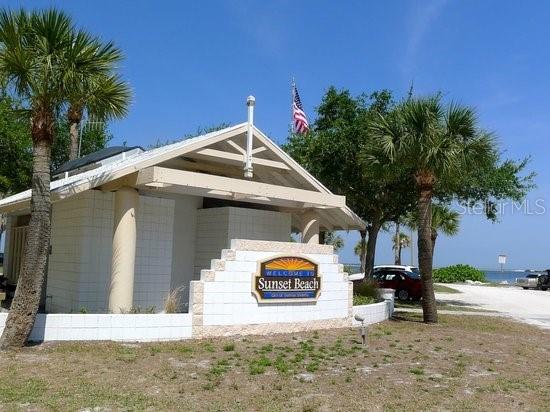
[
  {"x": 356, "y": 276},
  {"x": 408, "y": 268}
]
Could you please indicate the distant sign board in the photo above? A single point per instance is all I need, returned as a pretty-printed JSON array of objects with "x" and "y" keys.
[
  {"x": 287, "y": 278},
  {"x": 501, "y": 259}
]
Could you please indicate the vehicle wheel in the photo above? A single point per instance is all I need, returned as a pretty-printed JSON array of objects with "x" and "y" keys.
[
  {"x": 524, "y": 288},
  {"x": 402, "y": 295},
  {"x": 544, "y": 289},
  {"x": 543, "y": 282}
]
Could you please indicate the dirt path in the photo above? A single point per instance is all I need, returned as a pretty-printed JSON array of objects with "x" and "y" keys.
[{"x": 529, "y": 306}]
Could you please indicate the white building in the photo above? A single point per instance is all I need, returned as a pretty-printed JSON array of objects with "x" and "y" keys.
[{"x": 130, "y": 227}]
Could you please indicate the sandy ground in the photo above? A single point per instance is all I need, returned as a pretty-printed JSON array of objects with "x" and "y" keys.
[{"x": 529, "y": 306}]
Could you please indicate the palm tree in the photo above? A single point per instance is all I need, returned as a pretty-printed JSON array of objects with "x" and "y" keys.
[
  {"x": 400, "y": 240},
  {"x": 331, "y": 238},
  {"x": 435, "y": 142},
  {"x": 102, "y": 94},
  {"x": 36, "y": 61},
  {"x": 444, "y": 220}
]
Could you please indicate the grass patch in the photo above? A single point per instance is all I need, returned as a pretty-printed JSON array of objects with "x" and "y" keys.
[
  {"x": 461, "y": 363},
  {"x": 445, "y": 289},
  {"x": 259, "y": 365},
  {"x": 230, "y": 347}
]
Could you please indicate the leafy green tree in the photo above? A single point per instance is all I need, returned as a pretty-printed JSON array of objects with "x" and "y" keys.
[
  {"x": 443, "y": 148},
  {"x": 331, "y": 150},
  {"x": 15, "y": 151},
  {"x": 34, "y": 59},
  {"x": 15, "y": 148},
  {"x": 199, "y": 132},
  {"x": 94, "y": 138}
]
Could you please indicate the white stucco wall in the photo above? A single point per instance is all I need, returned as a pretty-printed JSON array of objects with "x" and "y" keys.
[
  {"x": 217, "y": 226},
  {"x": 80, "y": 264}
]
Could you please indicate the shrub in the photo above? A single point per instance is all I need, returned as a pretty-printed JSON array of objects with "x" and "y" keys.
[
  {"x": 366, "y": 288},
  {"x": 362, "y": 300},
  {"x": 173, "y": 301},
  {"x": 458, "y": 273}
]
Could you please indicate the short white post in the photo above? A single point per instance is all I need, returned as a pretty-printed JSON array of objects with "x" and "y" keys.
[
  {"x": 121, "y": 292},
  {"x": 310, "y": 230}
]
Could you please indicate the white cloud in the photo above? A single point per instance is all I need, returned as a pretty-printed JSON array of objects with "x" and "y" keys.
[{"x": 424, "y": 15}]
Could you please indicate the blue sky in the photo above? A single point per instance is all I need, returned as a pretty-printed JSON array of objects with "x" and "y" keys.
[{"x": 192, "y": 64}]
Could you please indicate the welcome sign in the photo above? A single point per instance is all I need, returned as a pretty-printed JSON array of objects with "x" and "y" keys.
[{"x": 287, "y": 278}]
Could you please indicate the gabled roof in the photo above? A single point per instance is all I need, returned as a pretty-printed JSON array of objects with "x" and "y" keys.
[
  {"x": 271, "y": 165},
  {"x": 93, "y": 158}
]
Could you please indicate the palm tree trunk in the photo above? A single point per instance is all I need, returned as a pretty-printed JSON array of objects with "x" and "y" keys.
[
  {"x": 373, "y": 230},
  {"x": 74, "y": 117},
  {"x": 25, "y": 303},
  {"x": 397, "y": 256},
  {"x": 363, "y": 256},
  {"x": 425, "y": 252},
  {"x": 434, "y": 238}
]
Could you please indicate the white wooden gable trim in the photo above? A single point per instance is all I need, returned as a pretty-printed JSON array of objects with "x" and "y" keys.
[{"x": 100, "y": 177}]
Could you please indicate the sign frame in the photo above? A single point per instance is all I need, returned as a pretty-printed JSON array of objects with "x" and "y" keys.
[{"x": 259, "y": 274}]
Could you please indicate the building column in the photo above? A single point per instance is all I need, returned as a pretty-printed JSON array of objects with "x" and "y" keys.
[
  {"x": 121, "y": 292},
  {"x": 310, "y": 229}
]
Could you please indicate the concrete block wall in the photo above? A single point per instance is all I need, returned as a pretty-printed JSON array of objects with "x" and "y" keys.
[
  {"x": 211, "y": 236},
  {"x": 223, "y": 303},
  {"x": 79, "y": 270},
  {"x": 113, "y": 327},
  {"x": 96, "y": 251},
  {"x": 153, "y": 269},
  {"x": 183, "y": 245},
  {"x": 217, "y": 226},
  {"x": 69, "y": 228}
]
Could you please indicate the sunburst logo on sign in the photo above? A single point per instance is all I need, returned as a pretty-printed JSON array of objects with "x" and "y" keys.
[
  {"x": 287, "y": 278},
  {"x": 289, "y": 266}
]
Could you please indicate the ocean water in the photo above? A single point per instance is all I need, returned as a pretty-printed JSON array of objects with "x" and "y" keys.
[{"x": 496, "y": 276}]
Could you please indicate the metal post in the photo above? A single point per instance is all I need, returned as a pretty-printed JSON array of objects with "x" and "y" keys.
[{"x": 250, "y": 102}]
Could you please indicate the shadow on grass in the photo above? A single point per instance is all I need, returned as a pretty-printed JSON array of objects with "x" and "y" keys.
[
  {"x": 441, "y": 304},
  {"x": 407, "y": 317}
]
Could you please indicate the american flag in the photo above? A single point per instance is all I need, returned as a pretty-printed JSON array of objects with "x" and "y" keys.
[{"x": 299, "y": 118}]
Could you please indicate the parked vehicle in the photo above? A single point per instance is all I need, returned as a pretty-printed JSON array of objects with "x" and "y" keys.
[
  {"x": 355, "y": 277},
  {"x": 407, "y": 284},
  {"x": 408, "y": 268},
  {"x": 535, "y": 281}
]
